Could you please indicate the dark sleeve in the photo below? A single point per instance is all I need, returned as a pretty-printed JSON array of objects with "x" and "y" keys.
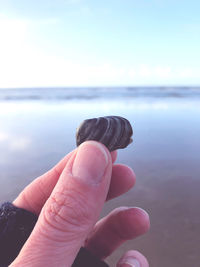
[{"x": 16, "y": 225}]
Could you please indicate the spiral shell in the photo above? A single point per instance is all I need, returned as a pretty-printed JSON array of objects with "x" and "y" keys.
[{"x": 113, "y": 131}]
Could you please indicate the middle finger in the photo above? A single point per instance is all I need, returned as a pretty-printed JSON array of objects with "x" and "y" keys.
[{"x": 120, "y": 225}]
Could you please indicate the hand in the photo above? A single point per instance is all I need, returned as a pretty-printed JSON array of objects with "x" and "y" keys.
[{"x": 69, "y": 199}]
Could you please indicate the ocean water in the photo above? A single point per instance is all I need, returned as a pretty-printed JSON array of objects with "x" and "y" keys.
[
  {"x": 38, "y": 126},
  {"x": 79, "y": 93}
]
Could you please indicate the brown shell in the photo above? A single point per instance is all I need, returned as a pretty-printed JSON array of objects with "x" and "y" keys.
[{"x": 113, "y": 131}]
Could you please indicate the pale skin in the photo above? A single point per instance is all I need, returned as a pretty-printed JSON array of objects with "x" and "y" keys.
[{"x": 68, "y": 200}]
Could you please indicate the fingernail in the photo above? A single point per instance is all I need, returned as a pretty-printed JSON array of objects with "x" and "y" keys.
[
  {"x": 90, "y": 162},
  {"x": 126, "y": 262}
]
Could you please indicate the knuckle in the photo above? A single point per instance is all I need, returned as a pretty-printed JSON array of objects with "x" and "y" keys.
[{"x": 67, "y": 212}]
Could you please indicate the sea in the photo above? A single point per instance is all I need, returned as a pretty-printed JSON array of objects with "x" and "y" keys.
[
  {"x": 87, "y": 93},
  {"x": 38, "y": 128}
]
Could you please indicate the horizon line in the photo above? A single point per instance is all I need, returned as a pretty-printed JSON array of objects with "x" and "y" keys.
[{"x": 102, "y": 86}]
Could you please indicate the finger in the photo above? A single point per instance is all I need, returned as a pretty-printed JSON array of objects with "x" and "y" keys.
[
  {"x": 34, "y": 196},
  {"x": 72, "y": 209},
  {"x": 133, "y": 258},
  {"x": 123, "y": 179},
  {"x": 120, "y": 225}
]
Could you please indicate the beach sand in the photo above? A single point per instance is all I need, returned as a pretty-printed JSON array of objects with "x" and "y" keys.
[{"x": 164, "y": 155}]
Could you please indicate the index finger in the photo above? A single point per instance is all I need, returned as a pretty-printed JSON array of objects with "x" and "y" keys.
[{"x": 34, "y": 196}]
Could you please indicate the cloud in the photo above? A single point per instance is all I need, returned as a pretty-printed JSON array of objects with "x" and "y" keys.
[
  {"x": 24, "y": 63},
  {"x": 164, "y": 74},
  {"x": 12, "y": 29},
  {"x": 189, "y": 72},
  {"x": 148, "y": 72},
  {"x": 38, "y": 69}
]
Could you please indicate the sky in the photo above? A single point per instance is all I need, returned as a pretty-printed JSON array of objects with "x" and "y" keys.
[{"x": 52, "y": 43}]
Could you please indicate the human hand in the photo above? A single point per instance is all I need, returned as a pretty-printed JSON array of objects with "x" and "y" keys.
[{"x": 69, "y": 199}]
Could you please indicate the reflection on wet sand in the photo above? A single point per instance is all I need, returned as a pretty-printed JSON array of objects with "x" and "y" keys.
[{"x": 164, "y": 155}]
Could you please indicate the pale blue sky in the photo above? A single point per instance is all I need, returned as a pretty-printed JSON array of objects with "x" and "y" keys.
[{"x": 99, "y": 43}]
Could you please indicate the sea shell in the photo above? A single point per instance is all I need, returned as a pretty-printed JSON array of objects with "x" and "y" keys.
[{"x": 113, "y": 131}]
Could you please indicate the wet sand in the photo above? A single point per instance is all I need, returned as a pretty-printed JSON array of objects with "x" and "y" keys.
[{"x": 165, "y": 156}]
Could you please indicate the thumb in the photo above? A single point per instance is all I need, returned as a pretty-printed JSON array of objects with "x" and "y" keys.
[{"x": 71, "y": 210}]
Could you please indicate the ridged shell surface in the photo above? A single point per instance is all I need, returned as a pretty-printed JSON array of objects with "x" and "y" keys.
[{"x": 113, "y": 131}]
